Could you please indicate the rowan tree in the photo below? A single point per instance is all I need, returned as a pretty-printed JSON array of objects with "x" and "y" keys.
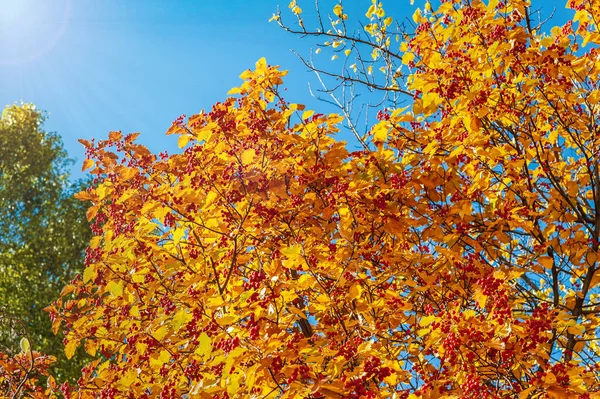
[{"x": 455, "y": 256}]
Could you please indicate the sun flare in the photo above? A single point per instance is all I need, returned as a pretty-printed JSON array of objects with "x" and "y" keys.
[{"x": 31, "y": 28}]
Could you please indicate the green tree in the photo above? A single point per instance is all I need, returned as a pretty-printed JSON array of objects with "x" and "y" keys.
[{"x": 43, "y": 229}]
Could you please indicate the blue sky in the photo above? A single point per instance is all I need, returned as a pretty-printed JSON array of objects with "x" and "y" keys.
[{"x": 136, "y": 65}]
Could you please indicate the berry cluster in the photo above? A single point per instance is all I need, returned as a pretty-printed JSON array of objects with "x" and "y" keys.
[
  {"x": 300, "y": 371},
  {"x": 229, "y": 344},
  {"x": 254, "y": 280},
  {"x": 167, "y": 304}
]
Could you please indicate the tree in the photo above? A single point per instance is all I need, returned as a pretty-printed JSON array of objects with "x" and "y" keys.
[
  {"x": 43, "y": 230},
  {"x": 455, "y": 256}
]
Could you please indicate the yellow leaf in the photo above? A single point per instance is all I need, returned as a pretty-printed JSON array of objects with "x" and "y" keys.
[
  {"x": 347, "y": 52},
  {"x": 480, "y": 299},
  {"x": 427, "y": 320},
  {"x": 204, "y": 346},
  {"x": 261, "y": 63},
  {"x": 215, "y": 302},
  {"x": 210, "y": 198},
  {"x": 307, "y": 114},
  {"x": 429, "y": 98},
  {"x": 129, "y": 377},
  {"x": 234, "y": 384},
  {"x": 248, "y": 156},
  {"x": 181, "y": 318},
  {"x": 164, "y": 357},
  {"x": 178, "y": 235},
  {"x": 557, "y": 392},
  {"x": 25, "y": 346},
  {"x": 293, "y": 251},
  {"x": 161, "y": 332},
  {"x": 380, "y": 132},
  {"x": 407, "y": 57},
  {"x": 417, "y": 15},
  {"x": 370, "y": 11},
  {"x": 183, "y": 140},
  {"x": 115, "y": 288},
  {"x": 89, "y": 273},
  {"x": 423, "y": 331},
  {"x": 88, "y": 163},
  {"x": 337, "y": 10},
  {"x": 70, "y": 348},
  {"x": 204, "y": 135}
]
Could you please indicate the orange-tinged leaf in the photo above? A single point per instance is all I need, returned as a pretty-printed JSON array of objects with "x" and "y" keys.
[
  {"x": 355, "y": 291},
  {"x": 115, "y": 136},
  {"x": 550, "y": 378},
  {"x": 85, "y": 143},
  {"x": 87, "y": 163},
  {"x": 525, "y": 394},
  {"x": 226, "y": 320},
  {"x": 546, "y": 261},
  {"x": 91, "y": 347},
  {"x": 576, "y": 330}
]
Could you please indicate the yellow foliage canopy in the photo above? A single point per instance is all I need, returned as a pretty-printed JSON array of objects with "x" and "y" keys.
[{"x": 458, "y": 259}]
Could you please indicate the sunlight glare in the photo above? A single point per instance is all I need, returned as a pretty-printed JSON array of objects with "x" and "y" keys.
[{"x": 30, "y": 28}]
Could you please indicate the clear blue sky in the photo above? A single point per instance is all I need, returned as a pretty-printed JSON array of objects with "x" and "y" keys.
[{"x": 136, "y": 65}]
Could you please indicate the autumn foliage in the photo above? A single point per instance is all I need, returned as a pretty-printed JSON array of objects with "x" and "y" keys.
[
  {"x": 455, "y": 258},
  {"x": 22, "y": 370}
]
